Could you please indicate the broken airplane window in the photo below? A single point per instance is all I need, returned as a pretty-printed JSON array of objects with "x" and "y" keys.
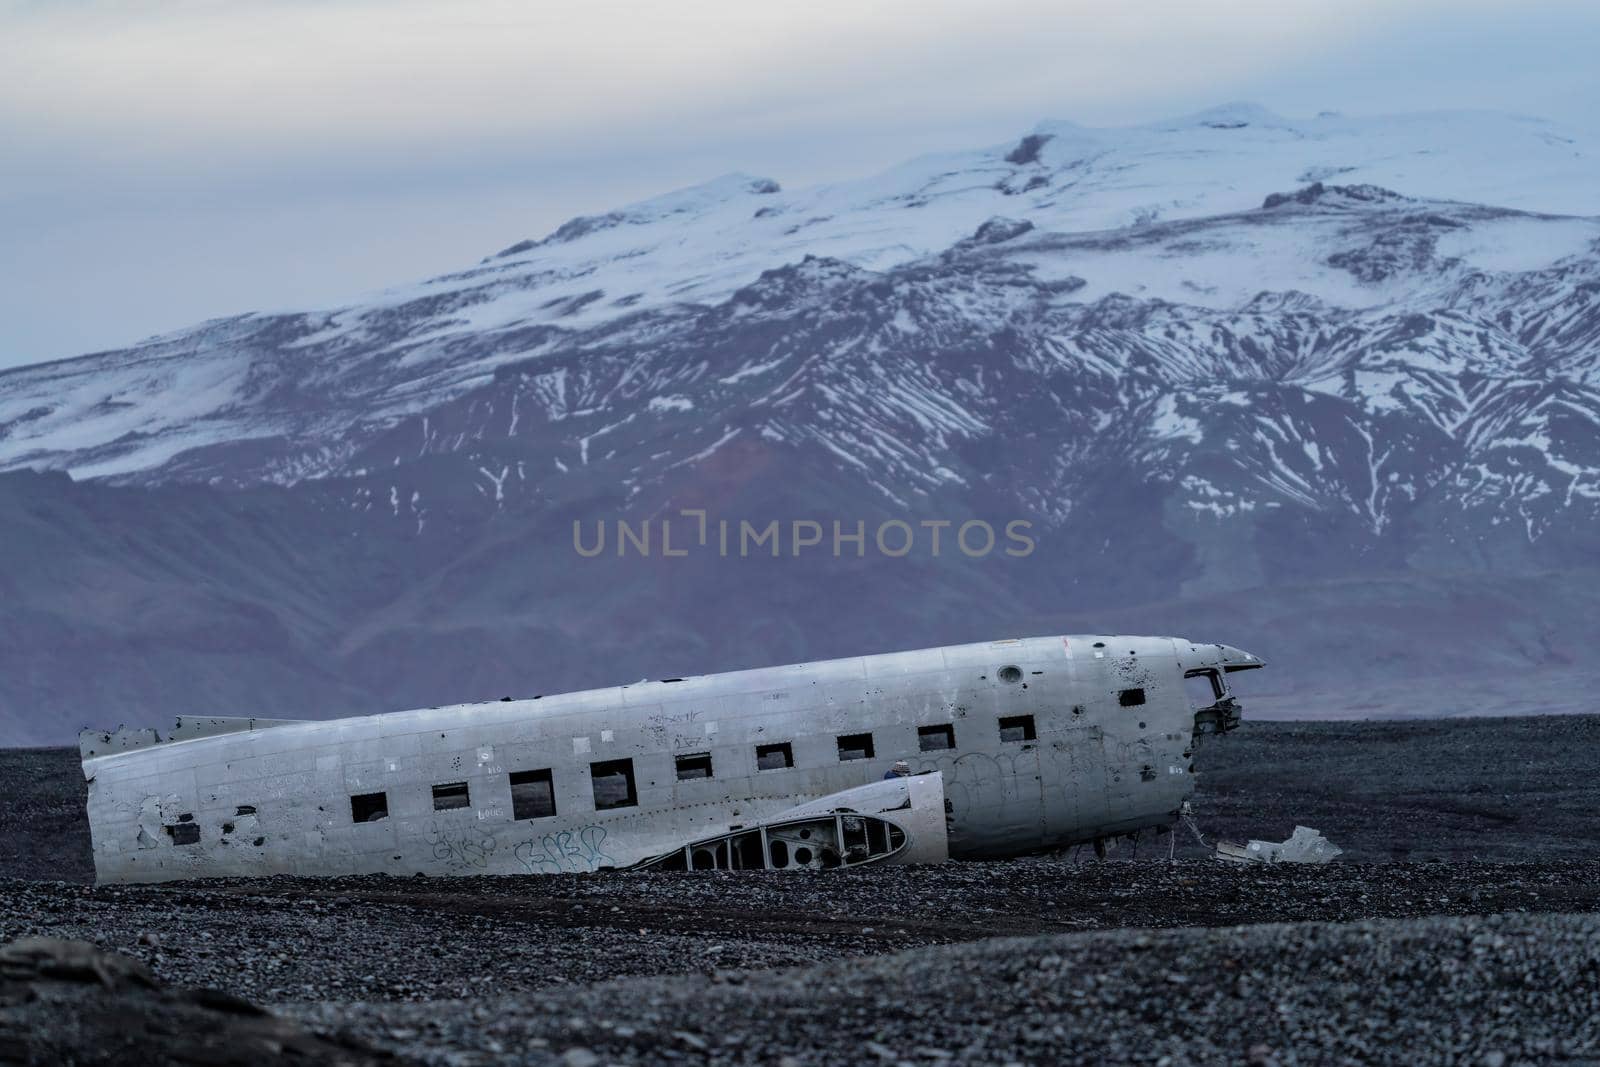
[
  {"x": 855, "y": 746},
  {"x": 533, "y": 795},
  {"x": 369, "y": 807},
  {"x": 936, "y": 738},
  {"x": 1203, "y": 687},
  {"x": 1131, "y": 698},
  {"x": 184, "y": 832},
  {"x": 613, "y": 784},
  {"x": 774, "y": 757},
  {"x": 695, "y": 765},
  {"x": 1017, "y": 728},
  {"x": 450, "y": 796}
]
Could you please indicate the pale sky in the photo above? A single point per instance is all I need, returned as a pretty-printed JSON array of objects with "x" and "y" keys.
[{"x": 168, "y": 161}]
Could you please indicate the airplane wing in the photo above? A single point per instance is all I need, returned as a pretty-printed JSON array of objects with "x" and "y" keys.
[{"x": 897, "y": 820}]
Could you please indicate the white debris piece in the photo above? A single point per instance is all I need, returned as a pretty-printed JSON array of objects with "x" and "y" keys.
[{"x": 1305, "y": 845}]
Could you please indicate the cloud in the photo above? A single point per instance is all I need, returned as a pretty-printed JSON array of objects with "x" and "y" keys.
[
  {"x": 337, "y": 145},
  {"x": 261, "y": 78}
]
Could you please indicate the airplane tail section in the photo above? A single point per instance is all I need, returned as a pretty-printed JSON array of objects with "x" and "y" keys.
[{"x": 92, "y": 744}]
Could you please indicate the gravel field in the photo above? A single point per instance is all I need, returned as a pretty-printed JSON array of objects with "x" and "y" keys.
[
  {"x": 1497, "y": 991},
  {"x": 379, "y": 938},
  {"x": 1461, "y": 927}
]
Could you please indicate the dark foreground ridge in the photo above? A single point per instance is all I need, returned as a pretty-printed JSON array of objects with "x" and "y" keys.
[{"x": 68, "y": 1002}]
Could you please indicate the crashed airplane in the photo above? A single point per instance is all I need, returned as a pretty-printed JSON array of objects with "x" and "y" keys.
[{"x": 1011, "y": 747}]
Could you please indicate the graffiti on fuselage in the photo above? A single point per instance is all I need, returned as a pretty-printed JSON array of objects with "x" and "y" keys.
[
  {"x": 465, "y": 850},
  {"x": 675, "y": 730},
  {"x": 997, "y": 792},
  {"x": 566, "y": 852}
]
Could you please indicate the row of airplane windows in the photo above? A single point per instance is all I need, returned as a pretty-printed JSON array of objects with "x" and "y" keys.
[{"x": 533, "y": 792}]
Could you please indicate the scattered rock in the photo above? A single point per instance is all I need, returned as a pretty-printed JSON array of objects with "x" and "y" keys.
[{"x": 1027, "y": 150}]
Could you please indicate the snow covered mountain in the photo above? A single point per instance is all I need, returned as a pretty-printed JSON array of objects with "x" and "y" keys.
[
  {"x": 1352, "y": 365},
  {"x": 286, "y": 383}
]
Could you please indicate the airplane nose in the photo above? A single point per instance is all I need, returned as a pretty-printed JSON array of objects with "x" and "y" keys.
[{"x": 1237, "y": 659}]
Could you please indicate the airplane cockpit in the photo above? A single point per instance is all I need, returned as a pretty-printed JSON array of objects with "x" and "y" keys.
[{"x": 1205, "y": 680}]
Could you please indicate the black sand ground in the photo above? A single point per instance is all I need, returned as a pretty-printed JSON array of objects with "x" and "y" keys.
[{"x": 1383, "y": 956}]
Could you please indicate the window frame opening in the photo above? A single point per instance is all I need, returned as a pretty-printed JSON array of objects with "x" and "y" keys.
[
  {"x": 783, "y": 749},
  {"x": 861, "y": 743},
  {"x": 1022, "y": 726},
  {"x": 452, "y": 796},
  {"x": 369, "y": 807},
  {"x": 943, "y": 730},
  {"x": 622, "y": 768},
  {"x": 687, "y": 764},
  {"x": 527, "y": 800},
  {"x": 1218, "y": 688},
  {"x": 1133, "y": 697}
]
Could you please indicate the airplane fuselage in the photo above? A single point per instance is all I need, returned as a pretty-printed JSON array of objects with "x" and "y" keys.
[{"x": 1040, "y": 742}]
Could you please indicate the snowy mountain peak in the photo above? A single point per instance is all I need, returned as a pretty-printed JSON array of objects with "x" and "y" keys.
[
  {"x": 1313, "y": 231},
  {"x": 691, "y": 200},
  {"x": 1232, "y": 116}
]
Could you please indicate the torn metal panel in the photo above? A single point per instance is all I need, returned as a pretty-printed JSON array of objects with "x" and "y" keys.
[
  {"x": 895, "y": 820},
  {"x": 1305, "y": 845},
  {"x": 1220, "y": 717},
  {"x": 96, "y": 743},
  {"x": 149, "y": 824},
  {"x": 817, "y": 842}
]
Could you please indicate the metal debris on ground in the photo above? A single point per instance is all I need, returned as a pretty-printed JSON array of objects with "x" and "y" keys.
[{"x": 1305, "y": 845}]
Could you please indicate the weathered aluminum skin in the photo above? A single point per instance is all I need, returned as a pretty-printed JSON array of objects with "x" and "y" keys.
[{"x": 274, "y": 797}]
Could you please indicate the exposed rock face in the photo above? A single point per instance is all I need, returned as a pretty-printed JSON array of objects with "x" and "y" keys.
[{"x": 1027, "y": 150}]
